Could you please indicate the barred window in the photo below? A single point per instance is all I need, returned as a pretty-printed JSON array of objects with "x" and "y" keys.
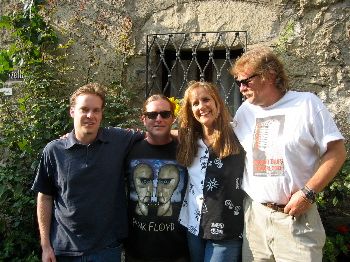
[{"x": 174, "y": 59}]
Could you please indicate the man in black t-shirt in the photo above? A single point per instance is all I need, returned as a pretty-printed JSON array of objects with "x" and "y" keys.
[{"x": 157, "y": 185}]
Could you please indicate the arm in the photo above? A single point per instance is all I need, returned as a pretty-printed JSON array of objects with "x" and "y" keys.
[
  {"x": 44, "y": 212},
  {"x": 330, "y": 164}
]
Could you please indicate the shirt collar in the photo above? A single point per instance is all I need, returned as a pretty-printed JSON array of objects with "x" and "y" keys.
[{"x": 71, "y": 139}]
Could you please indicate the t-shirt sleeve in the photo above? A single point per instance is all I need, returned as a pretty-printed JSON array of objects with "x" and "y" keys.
[
  {"x": 133, "y": 137},
  {"x": 324, "y": 127},
  {"x": 43, "y": 182}
]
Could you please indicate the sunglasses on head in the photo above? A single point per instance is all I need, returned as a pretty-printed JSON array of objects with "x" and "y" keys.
[
  {"x": 154, "y": 114},
  {"x": 246, "y": 81}
]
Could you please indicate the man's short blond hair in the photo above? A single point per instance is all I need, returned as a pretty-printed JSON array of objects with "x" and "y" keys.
[{"x": 91, "y": 88}]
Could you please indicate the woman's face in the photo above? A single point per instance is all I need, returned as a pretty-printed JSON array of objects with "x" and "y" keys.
[{"x": 204, "y": 108}]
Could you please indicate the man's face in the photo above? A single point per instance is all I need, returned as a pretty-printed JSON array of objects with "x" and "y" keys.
[
  {"x": 253, "y": 87},
  {"x": 87, "y": 116},
  {"x": 158, "y": 127}
]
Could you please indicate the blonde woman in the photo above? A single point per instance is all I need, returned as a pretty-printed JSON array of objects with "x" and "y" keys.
[{"x": 212, "y": 209}]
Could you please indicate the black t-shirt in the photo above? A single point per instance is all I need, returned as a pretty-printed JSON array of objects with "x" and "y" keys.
[{"x": 157, "y": 185}]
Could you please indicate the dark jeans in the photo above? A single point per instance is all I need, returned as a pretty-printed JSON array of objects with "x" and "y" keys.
[
  {"x": 205, "y": 250},
  {"x": 110, "y": 254},
  {"x": 130, "y": 259}
]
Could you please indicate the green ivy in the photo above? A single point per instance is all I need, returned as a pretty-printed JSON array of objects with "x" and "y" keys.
[
  {"x": 32, "y": 38},
  {"x": 36, "y": 114},
  {"x": 119, "y": 110},
  {"x": 285, "y": 36},
  {"x": 28, "y": 122},
  {"x": 334, "y": 201}
]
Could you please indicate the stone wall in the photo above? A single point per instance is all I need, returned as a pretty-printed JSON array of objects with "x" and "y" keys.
[{"x": 108, "y": 38}]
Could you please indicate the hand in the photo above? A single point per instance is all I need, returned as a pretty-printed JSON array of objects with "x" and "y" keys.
[
  {"x": 297, "y": 204},
  {"x": 174, "y": 134},
  {"x": 48, "y": 255},
  {"x": 138, "y": 130},
  {"x": 64, "y": 136}
]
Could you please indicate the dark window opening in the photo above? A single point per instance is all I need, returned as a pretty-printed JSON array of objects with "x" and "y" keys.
[{"x": 173, "y": 60}]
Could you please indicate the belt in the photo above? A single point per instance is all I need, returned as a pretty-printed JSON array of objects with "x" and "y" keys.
[{"x": 274, "y": 206}]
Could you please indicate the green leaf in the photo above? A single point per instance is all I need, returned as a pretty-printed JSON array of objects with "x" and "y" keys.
[
  {"x": 335, "y": 201},
  {"x": 5, "y": 22},
  {"x": 22, "y": 144}
]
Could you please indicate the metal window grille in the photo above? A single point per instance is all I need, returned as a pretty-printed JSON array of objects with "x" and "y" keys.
[{"x": 174, "y": 59}]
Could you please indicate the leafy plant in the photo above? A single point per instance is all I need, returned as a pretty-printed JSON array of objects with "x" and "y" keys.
[
  {"x": 337, "y": 244},
  {"x": 32, "y": 38},
  {"x": 28, "y": 120},
  {"x": 337, "y": 194},
  {"x": 34, "y": 115},
  {"x": 334, "y": 202},
  {"x": 285, "y": 36},
  {"x": 119, "y": 110}
]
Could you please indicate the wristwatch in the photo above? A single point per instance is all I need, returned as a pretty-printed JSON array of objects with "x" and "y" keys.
[{"x": 310, "y": 194}]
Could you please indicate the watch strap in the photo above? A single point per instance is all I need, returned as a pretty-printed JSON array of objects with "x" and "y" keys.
[{"x": 310, "y": 194}]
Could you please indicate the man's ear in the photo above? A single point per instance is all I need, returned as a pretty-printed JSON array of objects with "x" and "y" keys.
[
  {"x": 143, "y": 119},
  {"x": 71, "y": 111}
]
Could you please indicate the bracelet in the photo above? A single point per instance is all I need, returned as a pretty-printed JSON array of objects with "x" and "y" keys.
[
  {"x": 305, "y": 199},
  {"x": 309, "y": 194}
]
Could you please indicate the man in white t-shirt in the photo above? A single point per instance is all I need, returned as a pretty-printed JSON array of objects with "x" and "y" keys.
[{"x": 293, "y": 150}]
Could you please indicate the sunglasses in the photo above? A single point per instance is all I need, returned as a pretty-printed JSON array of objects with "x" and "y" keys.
[
  {"x": 153, "y": 115},
  {"x": 246, "y": 81}
]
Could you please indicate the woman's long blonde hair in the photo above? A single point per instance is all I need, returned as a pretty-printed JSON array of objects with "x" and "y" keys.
[{"x": 190, "y": 130}]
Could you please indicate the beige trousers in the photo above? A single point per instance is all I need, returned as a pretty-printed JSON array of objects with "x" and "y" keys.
[{"x": 274, "y": 236}]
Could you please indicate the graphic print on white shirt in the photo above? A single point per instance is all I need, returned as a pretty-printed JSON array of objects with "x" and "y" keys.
[
  {"x": 193, "y": 206},
  {"x": 204, "y": 208},
  {"x": 267, "y": 149},
  {"x": 203, "y": 160}
]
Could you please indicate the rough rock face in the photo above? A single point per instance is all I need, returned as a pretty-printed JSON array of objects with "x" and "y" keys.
[{"x": 109, "y": 38}]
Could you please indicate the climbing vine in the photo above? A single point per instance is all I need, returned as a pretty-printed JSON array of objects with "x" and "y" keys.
[
  {"x": 36, "y": 113},
  {"x": 28, "y": 120}
]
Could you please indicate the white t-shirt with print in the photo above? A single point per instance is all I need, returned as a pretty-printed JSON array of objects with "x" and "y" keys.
[{"x": 283, "y": 144}]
